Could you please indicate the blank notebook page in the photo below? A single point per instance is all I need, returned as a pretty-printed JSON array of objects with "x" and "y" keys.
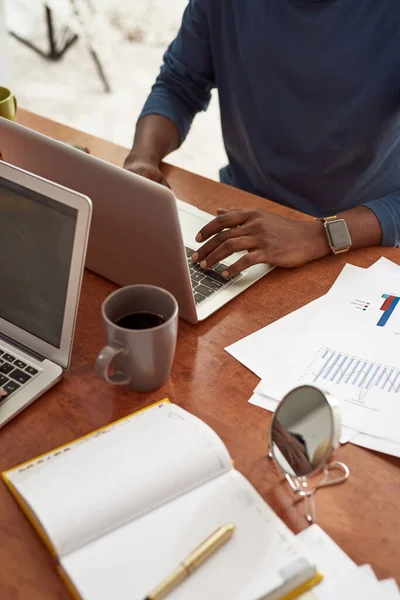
[{"x": 127, "y": 563}]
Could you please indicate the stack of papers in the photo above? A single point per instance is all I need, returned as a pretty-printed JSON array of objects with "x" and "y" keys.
[
  {"x": 343, "y": 579},
  {"x": 346, "y": 343}
]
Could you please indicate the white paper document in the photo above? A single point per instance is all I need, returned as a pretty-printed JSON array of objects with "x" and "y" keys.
[
  {"x": 355, "y": 357},
  {"x": 346, "y": 343},
  {"x": 378, "y": 444},
  {"x": 330, "y": 559},
  {"x": 389, "y": 589},
  {"x": 360, "y": 583},
  {"x": 258, "y": 350},
  {"x": 343, "y": 579},
  {"x": 262, "y": 350}
]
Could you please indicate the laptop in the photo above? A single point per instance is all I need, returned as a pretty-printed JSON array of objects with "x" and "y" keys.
[
  {"x": 44, "y": 230},
  {"x": 140, "y": 232}
]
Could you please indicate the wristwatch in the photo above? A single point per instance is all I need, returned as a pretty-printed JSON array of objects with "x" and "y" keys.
[{"x": 338, "y": 234}]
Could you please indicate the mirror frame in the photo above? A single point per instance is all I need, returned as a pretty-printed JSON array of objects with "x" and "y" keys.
[{"x": 334, "y": 440}]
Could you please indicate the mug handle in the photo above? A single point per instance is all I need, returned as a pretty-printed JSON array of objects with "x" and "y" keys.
[
  {"x": 104, "y": 360},
  {"x": 15, "y": 103}
]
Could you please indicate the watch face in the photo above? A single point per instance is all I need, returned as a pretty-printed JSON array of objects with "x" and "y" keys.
[{"x": 339, "y": 234}]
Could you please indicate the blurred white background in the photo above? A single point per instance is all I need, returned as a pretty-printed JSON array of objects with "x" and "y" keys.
[{"x": 130, "y": 37}]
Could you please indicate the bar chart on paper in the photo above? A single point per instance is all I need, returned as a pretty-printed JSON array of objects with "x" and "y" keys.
[
  {"x": 387, "y": 308},
  {"x": 351, "y": 377},
  {"x": 381, "y": 311}
]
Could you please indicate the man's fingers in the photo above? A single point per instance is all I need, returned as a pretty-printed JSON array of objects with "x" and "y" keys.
[
  {"x": 148, "y": 171},
  {"x": 248, "y": 260},
  {"x": 226, "y": 249},
  {"x": 223, "y": 221},
  {"x": 165, "y": 182},
  {"x": 217, "y": 241}
]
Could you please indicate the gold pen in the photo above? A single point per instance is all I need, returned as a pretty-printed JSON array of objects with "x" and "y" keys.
[{"x": 193, "y": 561}]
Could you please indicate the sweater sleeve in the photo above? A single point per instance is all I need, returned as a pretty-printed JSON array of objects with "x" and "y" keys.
[
  {"x": 387, "y": 211},
  {"x": 186, "y": 78}
]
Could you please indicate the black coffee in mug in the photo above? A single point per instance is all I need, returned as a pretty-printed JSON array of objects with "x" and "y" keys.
[
  {"x": 141, "y": 326},
  {"x": 140, "y": 320}
]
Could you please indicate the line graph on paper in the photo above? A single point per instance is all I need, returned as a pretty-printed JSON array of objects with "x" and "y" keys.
[{"x": 352, "y": 377}]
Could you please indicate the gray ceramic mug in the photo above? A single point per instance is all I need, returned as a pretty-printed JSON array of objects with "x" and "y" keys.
[{"x": 141, "y": 325}]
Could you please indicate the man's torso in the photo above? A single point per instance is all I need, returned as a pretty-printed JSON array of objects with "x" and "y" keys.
[{"x": 309, "y": 98}]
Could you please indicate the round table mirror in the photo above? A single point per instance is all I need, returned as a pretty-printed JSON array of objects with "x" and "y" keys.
[{"x": 304, "y": 431}]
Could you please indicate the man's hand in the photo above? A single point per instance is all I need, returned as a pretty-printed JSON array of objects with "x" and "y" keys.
[
  {"x": 267, "y": 237},
  {"x": 146, "y": 166},
  {"x": 155, "y": 137}
]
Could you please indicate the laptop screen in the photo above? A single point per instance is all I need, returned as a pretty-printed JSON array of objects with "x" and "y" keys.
[{"x": 36, "y": 244}]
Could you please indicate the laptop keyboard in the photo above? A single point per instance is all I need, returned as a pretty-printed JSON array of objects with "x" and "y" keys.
[
  {"x": 14, "y": 374},
  {"x": 206, "y": 283}
]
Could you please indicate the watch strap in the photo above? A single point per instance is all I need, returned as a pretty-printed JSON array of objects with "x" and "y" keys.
[{"x": 327, "y": 219}]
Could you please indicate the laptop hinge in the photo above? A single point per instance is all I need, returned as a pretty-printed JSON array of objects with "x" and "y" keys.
[{"x": 23, "y": 348}]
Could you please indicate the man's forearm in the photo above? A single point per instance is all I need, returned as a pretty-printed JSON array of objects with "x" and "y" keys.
[
  {"x": 155, "y": 137},
  {"x": 364, "y": 228}
]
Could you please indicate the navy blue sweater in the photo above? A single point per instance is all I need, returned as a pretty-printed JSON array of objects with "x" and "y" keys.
[{"x": 310, "y": 98}]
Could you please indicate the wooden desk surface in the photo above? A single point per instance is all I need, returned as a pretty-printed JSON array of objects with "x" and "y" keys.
[{"x": 362, "y": 515}]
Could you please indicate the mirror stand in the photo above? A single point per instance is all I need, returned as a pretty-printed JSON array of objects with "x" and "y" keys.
[
  {"x": 301, "y": 487},
  {"x": 304, "y": 438}
]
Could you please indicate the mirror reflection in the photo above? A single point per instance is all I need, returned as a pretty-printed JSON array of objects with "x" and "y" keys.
[{"x": 302, "y": 432}]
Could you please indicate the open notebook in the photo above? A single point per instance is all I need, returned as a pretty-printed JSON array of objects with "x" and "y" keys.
[{"x": 122, "y": 507}]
